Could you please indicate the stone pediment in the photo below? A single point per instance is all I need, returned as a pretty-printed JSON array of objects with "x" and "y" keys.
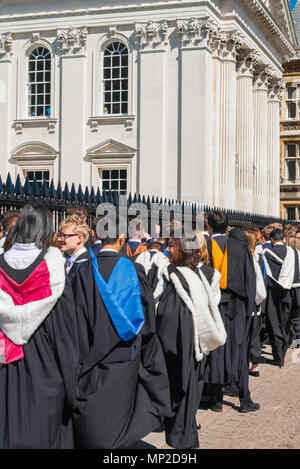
[
  {"x": 34, "y": 150},
  {"x": 111, "y": 148}
]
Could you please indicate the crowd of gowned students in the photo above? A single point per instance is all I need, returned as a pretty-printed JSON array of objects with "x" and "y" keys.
[{"x": 103, "y": 341}]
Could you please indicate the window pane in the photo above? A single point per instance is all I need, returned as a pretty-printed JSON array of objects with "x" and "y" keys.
[
  {"x": 123, "y": 173},
  {"x": 116, "y": 108},
  {"x": 105, "y": 174},
  {"x": 115, "y": 64},
  {"x": 291, "y": 110},
  {"x": 291, "y": 213},
  {"x": 39, "y": 95},
  {"x": 291, "y": 170},
  {"x": 114, "y": 174},
  {"x": 291, "y": 150},
  {"x": 291, "y": 92}
]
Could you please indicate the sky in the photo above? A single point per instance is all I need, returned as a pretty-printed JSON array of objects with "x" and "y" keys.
[{"x": 292, "y": 3}]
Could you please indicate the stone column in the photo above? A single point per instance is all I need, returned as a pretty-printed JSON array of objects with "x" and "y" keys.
[
  {"x": 275, "y": 96},
  {"x": 260, "y": 168},
  {"x": 230, "y": 46},
  {"x": 73, "y": 116},
  {"x": 196, "y": 116},
  {"x": 5, "y": 99},
  {"x": 245, "y": 131},
  {"x": 151, "y": 40}
]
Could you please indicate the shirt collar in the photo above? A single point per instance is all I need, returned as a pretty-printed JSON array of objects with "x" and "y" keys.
[
  {"x": 109, "y": 250},
  {"x": 218, "y": 234},
  {"x": 132, "y": 240},
  {"x": 77, "y": 254}
]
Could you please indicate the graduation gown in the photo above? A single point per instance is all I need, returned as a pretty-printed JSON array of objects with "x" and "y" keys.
[
  {"x": 236, "y": 306},
  {"x": 38, "y": 391},
  {"x": 176, "y": 331},
  {"x": 85, "y": 256},
  {"x": 155, "y": 264},
  {"x": 123, "y": 391},
  {"x": 177, "y": 312},
  {"x": 280, "y": 268}
]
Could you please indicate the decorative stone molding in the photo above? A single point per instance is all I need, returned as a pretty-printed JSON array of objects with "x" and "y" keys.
[
  {"x": 20, "y": 124},
  {"x": 263, "y": 76},
  {"x": 72, "y": 41},
  {"x": 95, "y": 122},
  {"x": 276, "y": 89},
  {"x": 246, "y": 63},
  {"x": 5, "y": 45},
  {"x": 270, "y": 24},
  {"x": 35, "y": 37},
  {"x": 197, "y": 32},
  {"x": 231, "y": 45},
  {"x": 152, "y": 35}
]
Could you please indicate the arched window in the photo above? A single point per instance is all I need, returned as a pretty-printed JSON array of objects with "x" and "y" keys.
[
  {"x": 39, "y": 82},
  {"x": 115, "y": 79}
]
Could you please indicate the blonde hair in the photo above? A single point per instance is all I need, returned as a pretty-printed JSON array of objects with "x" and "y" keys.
[
  {"x": 79, "y": 226},
  {"x": 293, "y": 242}
]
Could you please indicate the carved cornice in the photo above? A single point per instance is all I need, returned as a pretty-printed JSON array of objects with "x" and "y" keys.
[
  {"x": 196, "y": 32},
  {"x": 5, "y": 45},
  {"x": 72, "y": 40},
  {"x": 264, "y": 15},
  {"x": 152, "y": 35}
]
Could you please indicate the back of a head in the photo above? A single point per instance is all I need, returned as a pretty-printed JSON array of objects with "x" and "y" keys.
[
  {"x": 266, "y": 232},
  {"x": 293, "y": 242},
  {"x": 239, "y": 235},
  {"x": 78, "y": 211},
  {"x": 9, "y": 219},
  {"x": 156, "y": 245},
  {"x": 277, "y": 235},
  {"x": 34, "y": 225},
  {"x": 218, "y": 221}
]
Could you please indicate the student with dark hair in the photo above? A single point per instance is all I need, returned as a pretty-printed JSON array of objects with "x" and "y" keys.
[
  {"x": 97, "y": 243},
  {"x": 189, "y": 326},
  {"x": 123, "y": 391},
  {"x": 282, "y": 268},
  {"x": 38, "y": 338},
  {"x": 231, "y": 258}
]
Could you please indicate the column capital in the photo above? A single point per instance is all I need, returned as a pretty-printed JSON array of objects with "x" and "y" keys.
[
  {"x": 263, "y": 76},
  {"x": 196, "y": 32},
  {"x": 72, "y": 41},
  {"x": 230, "y": 45},
  {"x": 276, "y": 89},
  {"x": 152, "y": 35},
  {"x": 6, "y": 42},
  {"x": 246, "y": 62}
]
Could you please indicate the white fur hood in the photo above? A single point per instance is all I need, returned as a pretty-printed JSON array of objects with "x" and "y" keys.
[
  {"x": 19, "y": 322},
  {"x": 209, "y": 330}
]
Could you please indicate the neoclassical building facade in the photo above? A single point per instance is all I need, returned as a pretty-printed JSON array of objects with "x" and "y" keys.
[{"x": 176, "y": 99}]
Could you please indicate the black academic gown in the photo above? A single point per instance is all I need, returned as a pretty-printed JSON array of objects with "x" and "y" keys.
[
  {"x": 224, "y": 364},
  {"x": 175, "y": 329},
  {"x": 38, "y": 392},
  {"x": 123, "y": 391},
  {"x": 85, "y": 256},
  {"x": 278, "y": 307}
]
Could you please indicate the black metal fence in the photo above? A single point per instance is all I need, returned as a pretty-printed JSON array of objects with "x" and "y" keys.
[{"x": 58, "y": 199}]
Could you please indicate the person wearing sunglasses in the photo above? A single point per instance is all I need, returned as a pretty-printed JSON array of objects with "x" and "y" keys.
[{"x": 73, "y": 233}]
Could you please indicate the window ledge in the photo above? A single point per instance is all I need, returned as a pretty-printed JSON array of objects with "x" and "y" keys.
[
  {"x": 127, "y": 120},
  {"x": 50, "y": 123}
]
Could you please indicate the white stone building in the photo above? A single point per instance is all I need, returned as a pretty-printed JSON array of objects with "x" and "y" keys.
[{"x": 177, "y": 99}]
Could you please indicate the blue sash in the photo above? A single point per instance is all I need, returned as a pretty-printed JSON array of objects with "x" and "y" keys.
[{"x": 122, "y": 297}]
